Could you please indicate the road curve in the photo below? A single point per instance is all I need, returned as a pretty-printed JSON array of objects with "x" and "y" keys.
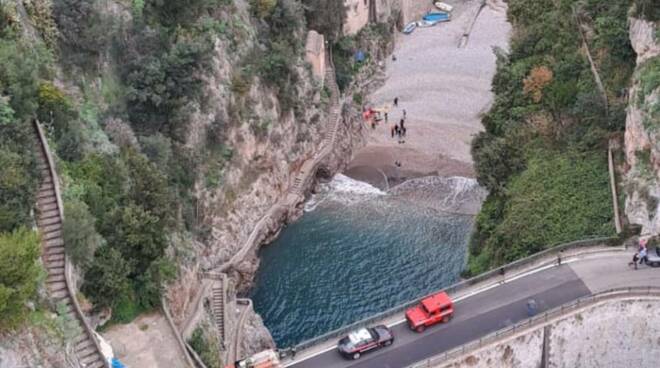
[{"x": 494, "y": 309}]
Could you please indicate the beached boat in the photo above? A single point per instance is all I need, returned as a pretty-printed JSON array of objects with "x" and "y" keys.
[
  {"x": 426, "y": 23},
  {"x": 443, "y": 6},
  {"x": 409, "y": 27},
  {"x": 437, "y": 17}
]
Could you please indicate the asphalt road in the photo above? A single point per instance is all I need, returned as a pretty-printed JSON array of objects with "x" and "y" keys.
[{"x": 474, "y": 317}]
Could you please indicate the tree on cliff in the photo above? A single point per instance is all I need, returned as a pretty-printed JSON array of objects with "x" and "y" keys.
[{"x": 326, "y": 17}]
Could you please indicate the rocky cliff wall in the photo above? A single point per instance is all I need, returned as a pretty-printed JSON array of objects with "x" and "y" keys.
[
  {"x": 357, "y": 16},
  {"x": 271, "y": 164},
  {"x": 642, "y": 141}
]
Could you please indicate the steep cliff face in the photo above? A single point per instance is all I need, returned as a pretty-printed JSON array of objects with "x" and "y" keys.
[{"x": 642, "y": 138}]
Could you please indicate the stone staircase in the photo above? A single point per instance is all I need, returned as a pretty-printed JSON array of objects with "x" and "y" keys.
[
  {"x": 218, "y": 307},
  {"x": 49, "y": 221},
  {"x": 328, "y": 142}
]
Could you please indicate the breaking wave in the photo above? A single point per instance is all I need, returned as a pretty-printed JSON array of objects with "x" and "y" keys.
[
  {"x": 447, "y": 194},
  {"x": 343, "y": 190}
]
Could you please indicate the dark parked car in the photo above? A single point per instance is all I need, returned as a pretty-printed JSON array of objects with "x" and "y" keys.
[
  {"x": 365, "y": 339},
  {"x": 653, "y": 257}
]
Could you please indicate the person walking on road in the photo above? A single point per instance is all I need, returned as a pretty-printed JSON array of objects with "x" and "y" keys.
[
  {"x": 404, "y": 113},
  {"x": 643, "y": 256},
  {"x": 385, "y": 118},
  {"x": 393, "y": 130},
  {"x": 396, "y": 101},
  {"x": 635, "y": 258}
]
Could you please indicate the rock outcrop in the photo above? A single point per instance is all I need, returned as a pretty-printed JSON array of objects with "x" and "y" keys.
[{"x": 642, "y": 141}]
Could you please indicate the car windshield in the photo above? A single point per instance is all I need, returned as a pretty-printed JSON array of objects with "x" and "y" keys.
[{"x": 359, "y": 337}]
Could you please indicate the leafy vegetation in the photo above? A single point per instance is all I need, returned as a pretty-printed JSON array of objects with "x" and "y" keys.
[
  {"x": 19, "y": 270},
  {"x": 327, "y": 17},
  {"x": 281, "y": 31},
  {"x": 647, "y": 9},
  {"x": 117, "y": 119},
  {"x": 205, "y": 348},
  {"x": 344, "y": 50},
  {"x": 542, "y": 155}
]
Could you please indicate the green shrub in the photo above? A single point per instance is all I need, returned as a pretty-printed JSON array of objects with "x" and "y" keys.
[
  {"x": 19, "y": 271},
  {"x": 263, "y": 8},
  {"x": 22, "y": 66},
  {"x": 205, "y": 348},
  {"x": 649, "y": 76},
  {"x": 160, "y": 81},
  {"x": 542, "y": 158},
  {"x": 126, "y": 309},
  {"x": 80, "y": 236},
  {"x": 647, "y": 9},
  {"x": 106, "y": 281},
  {"x": 17, "y": 189},
  {"x": 325, "y": 17},
  {"x": 137, "y": 236},
  {"x": 151, "y": 284},
  {"x": 85, "y": 31},
  {"x": 560, "y": 197}
]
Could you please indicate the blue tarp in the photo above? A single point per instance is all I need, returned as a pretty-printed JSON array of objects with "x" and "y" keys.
[
  {"x": 117, "y": 364},
  {"x": 360, "y": 56}
]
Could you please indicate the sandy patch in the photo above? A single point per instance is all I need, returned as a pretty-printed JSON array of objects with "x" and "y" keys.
[{"x": 146, "y": 342}]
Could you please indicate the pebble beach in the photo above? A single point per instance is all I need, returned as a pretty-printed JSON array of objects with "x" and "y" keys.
[{"x": 443, "y": 81}]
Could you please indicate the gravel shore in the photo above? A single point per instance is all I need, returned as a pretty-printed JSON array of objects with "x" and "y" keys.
[{"x": 444, "y": 89}]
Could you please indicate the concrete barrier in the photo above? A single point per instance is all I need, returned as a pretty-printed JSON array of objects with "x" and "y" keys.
[
  {"x": 535, "y": 322},
  {"x": 540, "y": 260}
]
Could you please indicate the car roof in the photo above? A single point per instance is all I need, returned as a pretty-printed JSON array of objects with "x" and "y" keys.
[
  {"x": 359, "y": 336},
  {"x": 436, "y": 301}
]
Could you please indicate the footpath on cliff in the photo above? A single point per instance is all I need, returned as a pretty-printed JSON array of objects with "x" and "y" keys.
[{"x": 443, "y": 81}]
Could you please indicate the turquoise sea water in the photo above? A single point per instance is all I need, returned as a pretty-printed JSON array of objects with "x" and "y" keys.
[{"x": 358, "y": 252}]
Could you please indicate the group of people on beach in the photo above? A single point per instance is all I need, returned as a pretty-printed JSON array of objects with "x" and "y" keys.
[{"x": 399, "y": 129}]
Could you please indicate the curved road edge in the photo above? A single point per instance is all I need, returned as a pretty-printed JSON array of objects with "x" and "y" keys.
[
  {"x": 546, "y": 267},
  {"x": 535, "y": 322}
]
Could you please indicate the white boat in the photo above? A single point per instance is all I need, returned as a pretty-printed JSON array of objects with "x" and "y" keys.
[
  {"x": 410, "y": 27},
  {"x": 443, "y": 6},
  {"x": 426, "y": 23}
]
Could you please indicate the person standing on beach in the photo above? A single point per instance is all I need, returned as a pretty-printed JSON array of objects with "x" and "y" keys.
[
  {"x": 401, "y": 123},
  {"x": 396, "y": 101},
  {"x": 404, "y": 113},
  {"x": 385, "y": 118}
]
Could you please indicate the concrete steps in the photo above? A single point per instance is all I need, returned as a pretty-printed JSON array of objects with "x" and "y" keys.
[
  {"x": 49, "y": 222},
  {"x": 298, "y": 185},
  {"x": 218, "y": 308}
]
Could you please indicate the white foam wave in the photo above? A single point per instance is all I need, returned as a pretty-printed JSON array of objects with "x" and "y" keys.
[
  {"x": 450, "y": 194},
  {"x": 345, "y": 190}
]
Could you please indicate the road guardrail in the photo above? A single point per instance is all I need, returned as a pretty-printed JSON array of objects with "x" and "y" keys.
[
  {"x": 550, "y": 255},
  {"x": 534, "y": 322}
]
